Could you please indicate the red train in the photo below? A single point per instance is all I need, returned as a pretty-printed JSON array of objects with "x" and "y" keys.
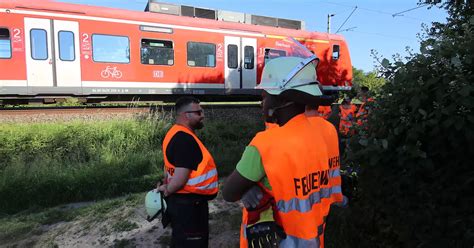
[{"x": 51, "y": 49}]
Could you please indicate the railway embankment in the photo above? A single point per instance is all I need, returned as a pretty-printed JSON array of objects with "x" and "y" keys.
[{"x": 78, "y": 179}]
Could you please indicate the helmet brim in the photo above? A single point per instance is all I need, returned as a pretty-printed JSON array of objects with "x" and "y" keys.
[{"x": 154, "y": 204}]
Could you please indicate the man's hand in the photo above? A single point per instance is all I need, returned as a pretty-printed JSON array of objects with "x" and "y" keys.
[
  {"x": 342, "y": 204},
  {"x": 164, "y": 189},
  {"x": 252, "y": 197}
]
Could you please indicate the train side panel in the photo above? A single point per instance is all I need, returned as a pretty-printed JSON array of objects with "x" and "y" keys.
[
  {"x": 335, "y": 68},
  {"x": 12, "y": 55},
  {"x": 57, "y": 50}
]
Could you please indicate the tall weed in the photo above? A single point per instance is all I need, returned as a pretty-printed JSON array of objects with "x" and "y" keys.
[{"x": 46, "y": 164}]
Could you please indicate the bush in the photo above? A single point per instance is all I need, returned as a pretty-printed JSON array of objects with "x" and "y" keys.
[{"x": 415, "y": 157}]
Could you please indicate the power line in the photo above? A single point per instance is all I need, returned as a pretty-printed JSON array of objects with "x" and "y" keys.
[
  {"x": 355, "y": 8},
  {"x": 377, "y": 11},
  {"x": 398, "y": 14},
  {"x": 348, "y": 29}
]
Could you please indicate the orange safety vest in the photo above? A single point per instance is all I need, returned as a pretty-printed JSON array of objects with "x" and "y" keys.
[
  {"x": 203, "y": 180},
  {"x": 329, "y": 134},
  {"x": 295, "y": 160},
  {"x": 269, "y": 125},
  {"x": 347, "y": 115},
  {"x": 362, "y": 113},
  {"x": 324, "y": 111}
]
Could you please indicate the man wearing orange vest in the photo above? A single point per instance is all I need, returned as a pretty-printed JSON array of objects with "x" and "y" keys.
[
  {"x": 288, "y": 163},
  {"x": 330, "y": 136},
  {"x": 363, "y": 112},
  {"x": 324, "y": 111},
  {"x": 190, "y": 177},
  {"x": 347, "y": 113}
]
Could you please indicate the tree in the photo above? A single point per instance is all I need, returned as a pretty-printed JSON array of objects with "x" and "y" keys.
[
  {"x": 416, "y": 172},
  {"x": 369, "y": 79}
]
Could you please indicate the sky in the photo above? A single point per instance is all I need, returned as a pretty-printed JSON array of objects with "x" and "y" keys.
[{"x": 387, "y": 27}]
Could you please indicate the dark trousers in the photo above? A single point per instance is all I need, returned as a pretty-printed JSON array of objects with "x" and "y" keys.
[{"x": 189, "y": 222}]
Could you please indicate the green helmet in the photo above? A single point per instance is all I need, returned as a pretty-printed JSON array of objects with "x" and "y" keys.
[{"x": 154, "y": 204}]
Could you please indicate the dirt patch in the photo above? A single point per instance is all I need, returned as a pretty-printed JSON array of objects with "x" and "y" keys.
[{"x": 125, "y": 226}]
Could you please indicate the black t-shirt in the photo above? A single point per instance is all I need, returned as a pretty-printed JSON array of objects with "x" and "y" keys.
[{"x": 183, "y": 151}]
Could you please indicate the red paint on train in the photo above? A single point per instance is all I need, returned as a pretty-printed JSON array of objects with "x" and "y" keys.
[{"x": 32, "y": 62}]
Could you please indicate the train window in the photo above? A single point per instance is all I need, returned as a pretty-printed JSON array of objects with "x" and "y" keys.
[
  {"x": 232, "y": 56},
  {"x": 66, "y": 46},
  {"x": 5, "y": 44},
  {"x": 109, "y": 48},
  {"x": 335, "y": 52},
  {"x": 249, "y": 56},
  {"x": 39, "y": 44},
  {"x": 201, "y": 54},
  {"x": 157, "y": 52},
  {"x": 273, "y": 53}
]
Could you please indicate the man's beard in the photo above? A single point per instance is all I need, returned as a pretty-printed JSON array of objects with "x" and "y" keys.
[{"x": 198, "y": 125}]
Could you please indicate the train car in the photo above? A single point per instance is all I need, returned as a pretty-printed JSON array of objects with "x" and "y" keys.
[{"x": 51, "y": 49}]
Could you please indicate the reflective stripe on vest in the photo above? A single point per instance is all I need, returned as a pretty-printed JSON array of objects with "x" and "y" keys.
[
  {"x": 292, "y": 241},
  {"x": 200, "y": 179},
  {"x": 211, "y": 186},
  {"x": 334, "y": 173},
  {"x": 203, "y": 180},
  {"x": 305, "y": 205},
  {"x": 317, "y": 242}
]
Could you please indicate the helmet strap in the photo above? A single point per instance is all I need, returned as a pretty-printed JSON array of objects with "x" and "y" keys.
[{"x": 272, "y": 111}]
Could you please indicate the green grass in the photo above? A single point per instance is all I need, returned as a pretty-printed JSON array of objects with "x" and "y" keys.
[
  {"x": 49, "y": 164},
  {"x": 46, "y": 164},
  {"x": 124, "y": 226}
]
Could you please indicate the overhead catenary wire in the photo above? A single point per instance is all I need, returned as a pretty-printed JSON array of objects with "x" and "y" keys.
[
  {"x": 399, "y": 13},
  {"x": 376, "y": 11},
  {"x": 348, "y": 29},
  {"x": 355, "y": 8}
]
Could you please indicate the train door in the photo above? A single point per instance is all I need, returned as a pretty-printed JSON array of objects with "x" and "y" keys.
[
  {"x": 39, "y": 62},
  {"x": 52, "y": 56},
  {"x": 67, "y": 57},
  {"x": 249, "y": 55},
  {"x": 240, "y": 68}
]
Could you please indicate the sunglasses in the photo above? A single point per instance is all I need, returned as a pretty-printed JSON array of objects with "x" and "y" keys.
[{"x": 198, "y": 112}]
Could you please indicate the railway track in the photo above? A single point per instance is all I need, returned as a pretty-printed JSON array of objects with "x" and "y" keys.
[
  {"x": 115, "y": 109},
  {"x": 70, "y": 113}
]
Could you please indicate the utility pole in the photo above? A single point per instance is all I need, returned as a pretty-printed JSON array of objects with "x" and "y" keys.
[{"x": 329, "y": 22}]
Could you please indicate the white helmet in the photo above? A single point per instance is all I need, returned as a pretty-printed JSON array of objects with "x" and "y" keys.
[
  {"x": 154, "y": 204},
  {"x": 293, "y": 72}
]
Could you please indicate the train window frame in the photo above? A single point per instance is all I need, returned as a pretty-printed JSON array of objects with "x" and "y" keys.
[
  {"x": 46, "y": 43},
  {"x": 9, "y": 40},
  {"x": 252, "y": 57},
  {"x": 111, "y": 35},
  {"x": 201, "y": 43},
  {"x": 232, "y": 53},
  {"x": 73, "y": 46},
  {"x": 157, "y": 40},
  {"x": 267, "y": 50},
  {"x": 336, "y": 53}
]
